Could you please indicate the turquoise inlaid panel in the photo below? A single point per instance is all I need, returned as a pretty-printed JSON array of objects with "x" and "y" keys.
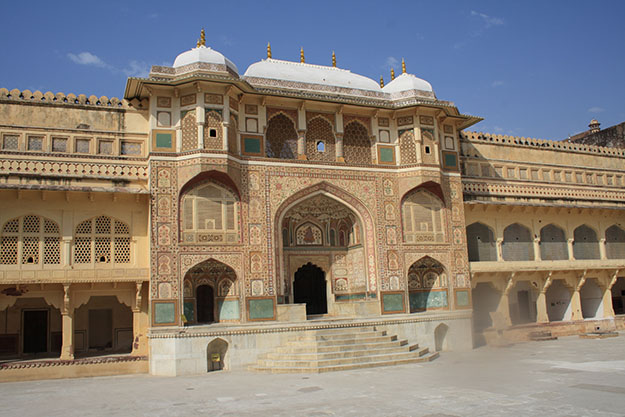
[
  {"x": 402, "y": 131},
  {"x": 261, "y": 309},
  {"x": 189, "y": 310},
  {"x": 393, "y": 302},
  {"x": 422, "y": 300},
  {"x": 163, "y": 140},
  {"x": 425, "y": 129},
  {"x": 229, "y": 310},
  {"x": 387, "y": 155},
  {"x": 450, "y": 160},
  {"x": 346, "y": 297},
  {"x": 462, "y": 298},
  {"x": 164, "y": 313},
  {"x": 251, "y": 145}
]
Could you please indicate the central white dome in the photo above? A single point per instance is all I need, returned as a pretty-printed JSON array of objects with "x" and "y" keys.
[
  {"x": 407, "y": 82},
  {"x": 311, "y": 74},
  {"x": 205, "y": 55}
]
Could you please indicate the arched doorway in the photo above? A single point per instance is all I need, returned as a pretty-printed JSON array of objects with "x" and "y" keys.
[
  {"x": 309, "y": 287},
  {"x": 205, "y": 297}
]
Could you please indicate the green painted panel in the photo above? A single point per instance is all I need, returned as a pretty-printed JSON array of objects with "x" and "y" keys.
[
  {"x": 450, "y": 160},
  {"x": 251, "y": 145},
  {"x": 393, "y": 302},
  {"x": 346, "y": 297},
  {"x": 164, "y": 313},
  {"x": 387, "y": 155},
  {"x": 422, "y": 300},
  {"x": 229, "y": 310},
  {"x": 189, "y": 310},
  {"x": 163, "y": 140},
  {"x": 261, "y": 309},
  {"x": 462, "y": 298}
]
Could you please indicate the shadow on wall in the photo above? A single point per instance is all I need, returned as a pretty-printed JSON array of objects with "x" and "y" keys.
[{"x": 440, "y": 337}]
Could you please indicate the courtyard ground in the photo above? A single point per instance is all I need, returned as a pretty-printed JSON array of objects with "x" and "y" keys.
[{"x": 567, "y": 377}]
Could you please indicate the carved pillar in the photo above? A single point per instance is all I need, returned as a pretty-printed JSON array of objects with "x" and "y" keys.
[
  {"x": 503, "y": 308},
  {"x": 139, "y": 345},
  {"x": 419, "y": 144},
  {"x": 541, "y": 301},
  {"x": 499, "y": 249},
  {"x": 570, "y": 247},
  {"x": 226, "y": 122},
  {"x": 602, "y": 252},
  {"x": 199, "y": 118},
  {"x": 576, "y": 300},
  {"x": 339, "y": 148},
  {"x": 67, "y": 251},
  {"x": 608, "y": 308},
  {"x": 537, "y": 256},
  {"x": 67, "y": 312},
  {"x": 301, "y": 144}
]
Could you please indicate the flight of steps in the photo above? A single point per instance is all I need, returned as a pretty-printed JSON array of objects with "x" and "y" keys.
[
  {"x": 341, "y": 349},
  {"x": 542, "y": 335}
]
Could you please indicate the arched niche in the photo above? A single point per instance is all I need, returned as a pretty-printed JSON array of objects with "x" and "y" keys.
[
  {"x": 585, "y": 243},
  {"x": 553, "y": 245},
  {"x": 481, "y": 243},
  {"x": 518, "y": 243},
  {"x": 427, "y": 285}
]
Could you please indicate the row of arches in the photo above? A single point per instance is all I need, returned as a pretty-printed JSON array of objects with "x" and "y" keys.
[
  {"x": 519, "y": 243},
  {"x": 320, "y": 143},
  {"x": 36, "y": 240}
]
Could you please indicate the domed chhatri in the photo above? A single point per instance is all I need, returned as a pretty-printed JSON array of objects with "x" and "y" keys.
[
  {"x": 407, "y": 82},
  {"x": 203, "y": 54}
]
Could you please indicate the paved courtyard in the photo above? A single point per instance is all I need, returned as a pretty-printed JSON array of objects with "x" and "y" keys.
[{"x": 567, "y": 377}]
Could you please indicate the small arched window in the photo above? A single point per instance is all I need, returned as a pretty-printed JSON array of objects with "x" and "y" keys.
[
  {"x": 103, "y": 241},
  {"x": 30, "y": 240},
  {"x": 422, "y": 214},
  {"x": 210, "y": 215}
]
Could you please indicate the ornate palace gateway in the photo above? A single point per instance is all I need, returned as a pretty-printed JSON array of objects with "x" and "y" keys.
[{"x": 215, "y": 219}]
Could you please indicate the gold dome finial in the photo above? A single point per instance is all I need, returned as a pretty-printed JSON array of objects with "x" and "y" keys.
[
  {"x": 381, "y": 82},
  {"x": 403, "y": 66},
  {"x": 301, "y": 56},
  {"x": 392, "y": 74},
  {"x": 202, "y": 40},
  {"x": 268, "y": 50},
  {"x": 333, "y": 59}
]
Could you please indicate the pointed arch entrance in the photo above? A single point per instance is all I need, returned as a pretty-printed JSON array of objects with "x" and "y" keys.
[
  {"x": 211, "y": 293},
  {"x": 310, "y": 288}
]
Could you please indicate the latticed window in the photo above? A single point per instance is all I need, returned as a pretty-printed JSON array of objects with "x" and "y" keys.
[
  {"x": 281, "y": 138},
  {"x": 481, "y": 243},
  {"x": 615, "y": 242},
  {"x": 518, "y": 244},
  {"x": 30, "y": 240},
  {"x": 210, "y": 215},
  {"x": 553, "y": 244},
  {"x": 585, "y": 243},
  {"x": 356, "y": 144},
  {"x": 423, "y": 217},
  {"x": 102, "y": 240}
]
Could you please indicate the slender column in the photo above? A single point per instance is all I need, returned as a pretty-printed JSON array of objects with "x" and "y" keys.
[
  {"x": 541, "y": 301},
  {"x": 139, "y": 345},
  {"x": 537, "y": 256},
  {"x": 339, "y": 148},
  {"x": 67, "y": 312},
  {"x": 199, "y": 117},
  {"x": 419, "y": 143},
  {"x": 301, "y": 144},
  {"x": 226, "y": 122},
  {"x": 576, "y": 300},
  {"x": 602, "y": 251},
  {"x": 570, "y": 246},
  {"x": 499, "y": 249}
]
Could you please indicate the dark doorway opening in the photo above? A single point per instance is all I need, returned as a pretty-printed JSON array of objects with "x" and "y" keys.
[
  {"x": 205, "y": 304},
  {"x": 310, "y": 287},
  {"x": 101, "y": 329},
  {"x": 35, "y": 331},
  {"x": 523, "y": 298}
]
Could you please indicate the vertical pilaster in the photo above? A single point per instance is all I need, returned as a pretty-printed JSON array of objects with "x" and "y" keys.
[
  {"x": 339, "y": 148},
  {"x": 499, "y": 244},
  {"x": 139, "y": 345},
  {"x": 301, "y": 144},
  {"x": 570, "y": 248},
  {"x": 602, "y": 251},
  {"x": 537, "y": 256},
  {"x": 226, "y": 122},
  {"x": 199, "y": 118}
]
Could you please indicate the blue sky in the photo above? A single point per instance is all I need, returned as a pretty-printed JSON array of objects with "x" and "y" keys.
[{"x": 530, "y": 68}]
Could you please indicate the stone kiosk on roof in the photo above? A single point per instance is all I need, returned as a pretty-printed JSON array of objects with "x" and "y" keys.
[{"x": 216, "y": 220}]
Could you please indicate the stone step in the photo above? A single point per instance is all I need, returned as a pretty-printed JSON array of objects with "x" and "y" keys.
[
  {"x": 322, "y": 362},
  {"x": 341, "y": 353},
  {"x": 313, "y": 348},
  {"x": 344, "y": 340},
  {"x": 341, "y": 336},
  {"x": 343, "y": 330},
  {"x": 345, "y": 367}
]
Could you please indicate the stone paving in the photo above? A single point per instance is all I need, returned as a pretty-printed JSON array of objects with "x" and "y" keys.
[{"x": 567, "y": 377}]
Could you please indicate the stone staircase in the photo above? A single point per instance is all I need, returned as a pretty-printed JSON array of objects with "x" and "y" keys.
[
  {"x": 339, "y": 350},
  {"x": 542, "y": 335}
]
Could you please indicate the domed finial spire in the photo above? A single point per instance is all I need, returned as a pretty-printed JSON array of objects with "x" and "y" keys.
[
  {"x": 381, "y": 82},
  {"x": 403, "y": 66},
  {"x": 301, "y": 55},
  {"x": 392, "y": 74},
  {"x": 202, "y": 40},
  {"x": 268, "y": 50},
  {"x": 333, "y": 59}
]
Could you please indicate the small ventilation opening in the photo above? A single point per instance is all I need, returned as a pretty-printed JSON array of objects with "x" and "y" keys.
[
  {"x": 427, "y": 149},
  {"x": 30, "y": 260},
  {"x": 321, "y": 147},
  {"x": 103, "y": 259},
  {"x": 212, "y": 133}
]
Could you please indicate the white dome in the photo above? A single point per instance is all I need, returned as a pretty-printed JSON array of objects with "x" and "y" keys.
[
  {"x": 205, "y": 55},
  {"x": 407, "y": 82},
  {"x": 308, "y": 73}
]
